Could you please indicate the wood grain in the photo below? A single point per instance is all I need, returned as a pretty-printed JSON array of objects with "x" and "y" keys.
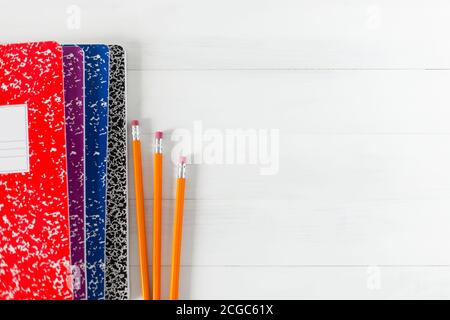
[
  {"x": 304, "y": 232},
  {"x": 358, "y": 90},
  {"x": 248, "y": 34},
  {"x": 312, "y": 282}
]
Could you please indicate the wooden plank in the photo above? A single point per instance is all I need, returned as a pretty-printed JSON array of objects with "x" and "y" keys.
[
  {"x": 323, "y": 102},
  {"x": 303, "y": 231},
  {"x": 362, "y": 282},
  {"x": 347, "y": 170},
  {"x": 240, "y": 34}
]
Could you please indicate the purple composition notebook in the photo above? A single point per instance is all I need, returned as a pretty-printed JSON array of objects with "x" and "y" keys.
[{"x": 73, "y": 61}]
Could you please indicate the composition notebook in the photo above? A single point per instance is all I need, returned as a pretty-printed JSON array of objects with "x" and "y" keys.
[
  {"x": 34, "y": 223},
  {"x": 116, "y": 275},
  {"x": 96, "y": 58},
  {"x": 73, "y": 61}
]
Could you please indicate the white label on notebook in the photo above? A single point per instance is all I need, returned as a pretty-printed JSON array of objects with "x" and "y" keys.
[{"x": 14, "y": 155}]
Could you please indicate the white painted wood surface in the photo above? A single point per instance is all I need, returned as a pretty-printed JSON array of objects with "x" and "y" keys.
[{"x": 359, "y": 92}]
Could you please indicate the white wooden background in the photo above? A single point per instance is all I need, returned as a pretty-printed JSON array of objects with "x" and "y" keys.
[{"x": 359, "y": 90}]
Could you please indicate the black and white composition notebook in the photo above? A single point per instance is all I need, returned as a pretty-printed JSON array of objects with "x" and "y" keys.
[{"x": 116, "y": 269}]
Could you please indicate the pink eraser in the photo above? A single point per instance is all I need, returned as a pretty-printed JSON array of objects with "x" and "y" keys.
[
  {"x": 135, "y": 123},
  {"x": 158, "y": 134},
  {"x": 183, "y": 160}
]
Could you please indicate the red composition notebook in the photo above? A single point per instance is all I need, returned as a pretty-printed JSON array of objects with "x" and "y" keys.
[{"x": 34, "y": 224}]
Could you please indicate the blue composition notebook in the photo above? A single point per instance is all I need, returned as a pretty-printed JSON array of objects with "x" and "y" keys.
[{"x": 96, "y": 58}]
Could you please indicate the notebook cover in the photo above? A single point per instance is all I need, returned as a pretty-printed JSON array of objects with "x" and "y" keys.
[
  {"x": 116, "y": 281},
  {"x": 73, "y": 61},
  {"x": 34, "y": 222},
  {"x": 96, "y": 137}
]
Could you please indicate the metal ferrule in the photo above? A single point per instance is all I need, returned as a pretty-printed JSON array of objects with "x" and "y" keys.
[
  {"x": 181, "y": 170},
  {"x": 157, "y": 147},
  {"x": 135, "y": 132}
]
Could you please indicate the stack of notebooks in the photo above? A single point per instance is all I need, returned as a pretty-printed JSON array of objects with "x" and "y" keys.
[{"x": 63, "y": 172}]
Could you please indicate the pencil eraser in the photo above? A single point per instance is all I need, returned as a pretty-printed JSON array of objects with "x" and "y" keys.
[
  {"x": 158, "y": 134},
  {"x": 135, "y": 123},
  {"x": 183, "y": 160}
]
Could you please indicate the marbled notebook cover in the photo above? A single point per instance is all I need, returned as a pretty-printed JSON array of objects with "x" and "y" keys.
[
  {"x": 34, "y": 221},
  {"x": 73, "y": 61},
  {"x": 96, "y": 59},
  {"x": 117, "y": 194}
]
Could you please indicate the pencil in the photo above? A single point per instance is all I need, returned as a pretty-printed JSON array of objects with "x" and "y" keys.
[
  {"x": 157, "y": 214},
  {"x": 177, "y": 230},
  {"x": 140, "y": 211}
]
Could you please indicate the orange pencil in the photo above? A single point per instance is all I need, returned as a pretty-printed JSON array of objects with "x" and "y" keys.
[
  {"x": 157, "y": 214},
  {"x": 177, "y": 230},
  {"x": 140, "y": 211}
]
